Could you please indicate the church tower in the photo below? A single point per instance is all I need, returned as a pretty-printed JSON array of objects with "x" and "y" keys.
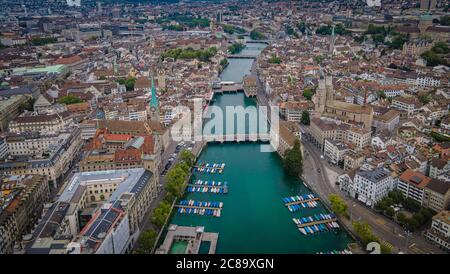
[
  {"x": 154, "y": 104},
  {"x": 331, "y": 50}
]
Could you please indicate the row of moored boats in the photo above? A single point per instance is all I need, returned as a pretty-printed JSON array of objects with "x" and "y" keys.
[
  {"x": 299, "y": 198},
  {"x": 199, "y": 211},
  {"x": 210, "y": 168},
  {"x": 295, "y": 203},
  {"x": 295, "y": 207},
  {"x": 192, "y": 203},
  {"x": 204, "y": 189},
  {"x": 345, "y": 251},
  {"x": 327, "y": 223},
  {"x": 209, "y": 183}
]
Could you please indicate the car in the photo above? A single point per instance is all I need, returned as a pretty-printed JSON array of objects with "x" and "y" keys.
[
  {"x": 318, "y": 170},
  {"x": 174, "y": 155}
]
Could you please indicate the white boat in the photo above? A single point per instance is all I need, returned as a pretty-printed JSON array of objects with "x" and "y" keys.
[{"x": 302, "y": 230}]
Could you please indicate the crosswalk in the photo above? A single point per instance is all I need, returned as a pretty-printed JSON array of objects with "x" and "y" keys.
[{"x": 388, "y": 244}]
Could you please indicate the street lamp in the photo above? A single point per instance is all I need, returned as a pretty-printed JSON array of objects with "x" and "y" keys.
[
  {"x": 351, "y": 211},
  {"x": 406, "y": 241}
]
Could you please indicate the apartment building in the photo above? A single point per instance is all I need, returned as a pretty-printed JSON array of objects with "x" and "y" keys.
[
  {"x": 10, "y": 109},
  {"x": 55, "y": 160},
  {"x": 436, "y": 195},
  {"x": 388, "y": 120},
  {"x": 322, "y": 129},
  {"x": 21, "y": 203},
  {"x": 372, "y": 185},
  {"x": 410, "y": 105},
  {"x": 439, "y": 232},
  {"x": 438, "y": 167},
  {"x": 358, "y": 136},
  {"x": 334, "y": 151},
  {"x": 412, "y": 185},
  {"x": 40, "y": 122}
]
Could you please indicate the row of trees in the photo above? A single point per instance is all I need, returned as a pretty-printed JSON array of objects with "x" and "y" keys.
[
  {"x": 438, "y": 137},
  {"x": 420, "y": 217},
  {"x": 385, "y": 35},
  {"x": 236, "y": 48},
  {"x": 224, "y": 63},
  {"x": 190, "y": 53},
  {"x": 230, "y": 29},
  {"x": 186, "y": 19},
  {"x": 364, "y": 233},
  {"x": 328, "y": 29},
  {"x": 338, "y": 205},
  {"x": 40, "y": 41},
  {"x": 436, "y": 55},
  {"x": 69, "y": 99},
  {"x": 292, "y": 161},
  {"x": 173, "y": 27},
  {"x": 128, "y": 82},
  {"x": 175, "y": 183},
  {"x": 256, "y": 35}
]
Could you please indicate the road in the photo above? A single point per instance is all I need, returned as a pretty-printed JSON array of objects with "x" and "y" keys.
[{"x": 386, "y": 229}]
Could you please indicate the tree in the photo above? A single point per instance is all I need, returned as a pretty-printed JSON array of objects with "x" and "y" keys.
[
  {"x": 305, "y": 118},
  {"x": 160, "y": 214},
  {"x": 128, "y": 82},
  {"x": 236, "y": 48},
  {"x": 337, "y": 204},
  {"x": 390, "y": 212},
  {"x": 292, "y": 162},
  {"x": 445, "y": 20},
  {"x": 396, "y": 196},
  {"x": 364, "y": 232},
  {"x": 69, "y": 99},
  {"x": 401, "y": 217},
  {"x": 308, "y": 93},
  {"x": 256, "y": 35},
  {"x": 147, "y": 241},
  {"x": 439, "y": 137},
  {"x": 425, "y": 98},
  {"x": 318, "y": 59},
  {"x": 175, "y": 179},
  {"x": 187, "y": 157},
  {"x": 274, "y": 60}
]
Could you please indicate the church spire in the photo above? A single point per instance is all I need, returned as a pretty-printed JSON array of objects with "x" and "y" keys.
[
  {"x": 332, "y": 41},
  {"x": 154, "y": 100}
]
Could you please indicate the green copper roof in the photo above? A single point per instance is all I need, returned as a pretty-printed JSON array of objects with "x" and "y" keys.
[
  {"x": 426, "y": 17},
  {"x": 154, "y": 100}
]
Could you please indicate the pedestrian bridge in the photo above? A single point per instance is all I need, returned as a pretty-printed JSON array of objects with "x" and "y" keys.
[{"x": 265, "y": 137}]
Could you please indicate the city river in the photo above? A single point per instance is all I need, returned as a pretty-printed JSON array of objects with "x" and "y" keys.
[{"x": 254, "y": 218}]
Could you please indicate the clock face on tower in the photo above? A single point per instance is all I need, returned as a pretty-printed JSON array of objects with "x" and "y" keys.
[{"x": 153, "y": 109}]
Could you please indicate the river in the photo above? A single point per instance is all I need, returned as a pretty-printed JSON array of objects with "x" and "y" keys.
[{"x": 254, "y": 218}]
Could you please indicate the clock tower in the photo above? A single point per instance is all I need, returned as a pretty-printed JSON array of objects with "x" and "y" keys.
[{"x": 154, "y": 104}]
